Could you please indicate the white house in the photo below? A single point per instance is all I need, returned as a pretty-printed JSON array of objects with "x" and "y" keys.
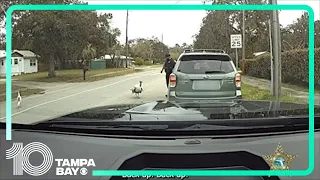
[
  {"x": 120, "y": 58},
  {"x": 22, "y": 62}
]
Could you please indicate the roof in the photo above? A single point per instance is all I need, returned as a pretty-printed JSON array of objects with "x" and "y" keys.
[
  {"x": 25, "y": 53},
  {"x": 109, "y": 57},
  {"x": 204, "y": 53}
]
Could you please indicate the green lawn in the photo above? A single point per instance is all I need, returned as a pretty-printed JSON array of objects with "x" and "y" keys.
[
  {"x": 23, "y": 91},
  {"x": 76, "y": 75},
  {"x": 253, "y": 93},
  {"x": 301, "y": 88}
]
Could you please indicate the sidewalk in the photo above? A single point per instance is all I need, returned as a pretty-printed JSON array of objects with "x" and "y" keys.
[{"x": 266, "y": 84}]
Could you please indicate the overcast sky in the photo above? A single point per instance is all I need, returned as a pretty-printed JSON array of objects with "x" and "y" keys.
[{"x": 178, "y": 26}]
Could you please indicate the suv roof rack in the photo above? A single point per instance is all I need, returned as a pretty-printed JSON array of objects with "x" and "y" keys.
[{"x": 204, "y": 50}]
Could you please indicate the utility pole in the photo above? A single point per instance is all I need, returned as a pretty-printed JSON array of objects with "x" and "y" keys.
[
  {"x": 127, "y": 46},
  {"x": 271, "y": 56},
  {"x": 162, "y": 43},
  {"x": 276, "y": 51},
  {"x": 243, "y": 33}
]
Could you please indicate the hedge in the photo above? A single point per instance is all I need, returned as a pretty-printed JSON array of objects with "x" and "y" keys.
[
  {"x": 139, "y": 61},
  {"x": 295, "y": 67}
]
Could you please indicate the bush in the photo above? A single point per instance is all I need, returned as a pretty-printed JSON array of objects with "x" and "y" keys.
[
  {"x": 139, "y": 62},
  {"x": 295, "y": 67},
  {"x": 148, "y": 63}
]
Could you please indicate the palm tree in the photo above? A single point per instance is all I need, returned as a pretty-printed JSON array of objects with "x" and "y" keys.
[{"x": 88, "y": 53}]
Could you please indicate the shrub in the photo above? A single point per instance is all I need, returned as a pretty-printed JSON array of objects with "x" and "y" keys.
[
  {"x": 295, "y": 67},
  {"x": 139, "y": 62},
  {"x": 147, "y": 63}
]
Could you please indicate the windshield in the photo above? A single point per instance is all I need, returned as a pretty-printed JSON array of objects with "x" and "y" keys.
[{"x": 86, "y": 64}]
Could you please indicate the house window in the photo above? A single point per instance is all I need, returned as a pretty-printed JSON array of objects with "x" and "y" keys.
[
  {"x": 32, "y": 62},
  {"x": 2, "y": 62},
  {"x": 15, "y": 61}
]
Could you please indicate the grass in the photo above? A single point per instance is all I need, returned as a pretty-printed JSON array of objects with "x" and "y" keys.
[
  {"x": 23, "y": 91},
  {"x": 253, "y": 93},
  {"x": 76, "y": 75},
  {"x": 301, "y": 88},
  {"x": 150, "y": 65}
]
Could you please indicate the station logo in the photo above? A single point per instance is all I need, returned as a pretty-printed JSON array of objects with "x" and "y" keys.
[{"x": 64, "y": 167}]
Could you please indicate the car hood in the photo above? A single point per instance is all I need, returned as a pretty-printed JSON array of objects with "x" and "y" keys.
[{"x": 169, "y": 111}]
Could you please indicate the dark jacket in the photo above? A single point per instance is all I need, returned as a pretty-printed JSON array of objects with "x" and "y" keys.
[{"x": 169, "y": 65}]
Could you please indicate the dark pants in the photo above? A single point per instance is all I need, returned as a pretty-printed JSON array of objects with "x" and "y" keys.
[{"x": 167, "y": 78}]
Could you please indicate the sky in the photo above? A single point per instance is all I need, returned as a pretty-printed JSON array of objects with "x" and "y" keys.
[{"x": 178, "y": 26}]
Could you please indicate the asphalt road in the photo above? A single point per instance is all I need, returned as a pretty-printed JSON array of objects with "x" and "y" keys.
[{"x": 61, "y": 99}]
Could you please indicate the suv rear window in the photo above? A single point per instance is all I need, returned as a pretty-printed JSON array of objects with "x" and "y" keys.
[{"x": 200, "y": 64}]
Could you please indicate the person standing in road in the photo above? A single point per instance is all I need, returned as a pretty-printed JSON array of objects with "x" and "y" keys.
[{"x": 168, "y": 67}]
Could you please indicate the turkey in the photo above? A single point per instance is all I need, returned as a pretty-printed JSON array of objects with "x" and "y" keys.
[
  {"x": 137, "y": 89},
  {"x": 19, "y": 99}
]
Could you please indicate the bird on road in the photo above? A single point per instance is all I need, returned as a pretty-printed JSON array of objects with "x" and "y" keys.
[
  {"x": 19, "y": 99},
  {"x": 137, "y": 89}
]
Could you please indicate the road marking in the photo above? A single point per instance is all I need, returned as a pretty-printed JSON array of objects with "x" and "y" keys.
[
  {"x": 49, "y": 92},
  {"x": 77, "y": 94},
  {"x": 54, "y": 91}
]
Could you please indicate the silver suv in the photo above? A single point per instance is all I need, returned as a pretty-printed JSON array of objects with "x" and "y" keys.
[{"x": 204, "y": 75}]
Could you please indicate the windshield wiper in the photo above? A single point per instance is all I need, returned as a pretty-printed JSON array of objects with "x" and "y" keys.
[
  {"x": 224, "y": 127},
  {"x": 212, "y": 72},
  {"x": 115, "y": 127}
]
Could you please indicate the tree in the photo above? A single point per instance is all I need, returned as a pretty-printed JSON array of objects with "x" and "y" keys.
[
  {"x": 113, "y": 53},
  {"x": 215, "y": 30},
  {"x": 58, "y": 36},
  {"x": 150, "y": 49},
  {"x": 88, "y": 53},
  {"x": 296, "y": 35}
]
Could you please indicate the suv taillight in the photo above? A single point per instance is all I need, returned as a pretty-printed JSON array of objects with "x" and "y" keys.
[
  {"x": 172, "y": 80},
  {"x": 238, "y": 80}
]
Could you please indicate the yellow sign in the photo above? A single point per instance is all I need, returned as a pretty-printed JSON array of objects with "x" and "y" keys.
[{"x": 279, "y": 160}]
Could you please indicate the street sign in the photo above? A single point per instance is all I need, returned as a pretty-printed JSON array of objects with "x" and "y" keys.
[{"x": 236, "y": 40}]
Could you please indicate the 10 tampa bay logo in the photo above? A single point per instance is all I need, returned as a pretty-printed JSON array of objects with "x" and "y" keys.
[{"x": 21, "y": 161}]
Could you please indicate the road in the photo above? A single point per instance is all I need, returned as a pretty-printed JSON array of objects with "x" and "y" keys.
[{"x": 64, "y": 98}]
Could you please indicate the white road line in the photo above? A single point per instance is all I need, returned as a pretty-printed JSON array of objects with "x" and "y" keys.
[
  {"x": 49, "y": 92},
  {"x": 76, "y": 94}
]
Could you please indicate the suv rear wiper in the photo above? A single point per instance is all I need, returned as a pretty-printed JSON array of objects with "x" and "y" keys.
[
  {"x": 115, "y": 127},
  {"x": 212, "y": 72}
]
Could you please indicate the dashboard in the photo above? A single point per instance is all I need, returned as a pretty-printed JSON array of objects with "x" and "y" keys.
[{"x": 75, "y": 156}]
